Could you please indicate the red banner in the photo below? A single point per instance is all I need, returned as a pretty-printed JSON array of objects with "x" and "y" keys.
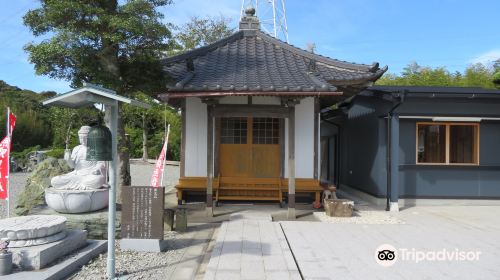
[
  {"x": 12, "y": 122},
  {"x": 159, "y": 167},
  {"x": 4, "y": 166}
]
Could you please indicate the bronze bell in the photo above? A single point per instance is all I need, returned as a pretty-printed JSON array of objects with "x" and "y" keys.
[{"x": 99, "y": 144}]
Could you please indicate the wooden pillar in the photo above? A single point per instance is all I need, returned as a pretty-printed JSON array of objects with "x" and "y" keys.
[
  {"x": 183, "y": 139},
  {"x": 394, "y": 163},
  {"x": 291, "y": 162},
  {"x": 210, "y": 159},
  {"x": 316, "y": 139}
]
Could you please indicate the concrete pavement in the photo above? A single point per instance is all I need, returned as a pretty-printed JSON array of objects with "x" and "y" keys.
[{"x": 253, "y": 247}]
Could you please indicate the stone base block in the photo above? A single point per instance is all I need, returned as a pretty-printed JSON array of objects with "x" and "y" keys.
[
  {"x": 394, "y": 207},
  {"x": 143, "y": 245},
  {"x": 338, "y": 207},
  {"x": 37, "y": 257}
]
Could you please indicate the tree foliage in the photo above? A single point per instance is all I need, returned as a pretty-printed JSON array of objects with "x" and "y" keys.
[
  {"x": 115, "y": 45},
  {"x": 39, "y": 125},
  {"x": 153, "y": 127},
  {"x": 475, "y": 75},
  {"x": 199, "y": 32}
]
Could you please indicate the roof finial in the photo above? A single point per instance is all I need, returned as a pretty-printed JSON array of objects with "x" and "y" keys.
[
  {"x": 249, "y": 21},
  {"x": 250, "y": 11}
]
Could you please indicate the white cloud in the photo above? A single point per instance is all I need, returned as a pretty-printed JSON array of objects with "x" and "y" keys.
[{"x": 487, "y": 57}]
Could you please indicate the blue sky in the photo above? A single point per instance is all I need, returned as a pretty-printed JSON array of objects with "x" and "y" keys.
[{"x": 450, "y": 33}]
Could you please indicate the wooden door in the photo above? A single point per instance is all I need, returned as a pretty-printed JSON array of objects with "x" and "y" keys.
[{"x": 250, "y": 147}]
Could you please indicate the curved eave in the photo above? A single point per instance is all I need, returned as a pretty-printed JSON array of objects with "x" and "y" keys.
[
  {"x": 183, "y": 94},
  {"x": 362, "y": 81}
]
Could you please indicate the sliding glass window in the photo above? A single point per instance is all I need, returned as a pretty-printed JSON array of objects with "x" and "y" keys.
[{"x": 448, "y": 143}]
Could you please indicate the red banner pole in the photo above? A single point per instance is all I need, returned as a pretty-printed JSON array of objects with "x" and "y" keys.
[
  {"x": 165, "y": 156},
  {"x": 8, "y": 132}
]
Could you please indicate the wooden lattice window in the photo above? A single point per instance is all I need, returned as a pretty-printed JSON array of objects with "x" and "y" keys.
[
  {"x": 266, "y": 131},
  {"x": 448, "y": 143},
  {"x": 234, "y": 130}
]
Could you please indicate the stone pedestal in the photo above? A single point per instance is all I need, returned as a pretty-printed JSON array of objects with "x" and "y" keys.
[
  {"x": 76, "y": 201},
  {"x": 143, "y": 245},
  {"x": 33, "y": 230},
  {"x": 338, "y": 207},
  {"x": 95, "y": 223},
  {"x": 37, "y": 257}
]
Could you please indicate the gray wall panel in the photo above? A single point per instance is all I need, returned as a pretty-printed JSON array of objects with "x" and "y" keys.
[{"x": 363, "y": 150}]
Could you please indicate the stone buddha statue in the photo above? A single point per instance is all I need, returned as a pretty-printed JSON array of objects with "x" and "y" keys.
[{"x": 87, "y": 175}]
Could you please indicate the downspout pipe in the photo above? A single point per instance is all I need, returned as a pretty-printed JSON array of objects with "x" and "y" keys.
[{"x": 400, "y": 97}]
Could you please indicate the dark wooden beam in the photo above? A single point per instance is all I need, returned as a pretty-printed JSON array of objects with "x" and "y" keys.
[
  {"x": 291, "y": 163},
  {"x": 238, "y": 110},
  {"x": 183, "y": 140},
  {"x": 316, "y": 132},
  {"x": 210, "y": 159}
]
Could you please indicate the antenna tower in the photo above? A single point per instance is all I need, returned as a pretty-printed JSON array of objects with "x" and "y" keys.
[{"x": 271, "y": 14}]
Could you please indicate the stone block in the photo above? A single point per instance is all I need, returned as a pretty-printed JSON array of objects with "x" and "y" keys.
[
  {"x": 37, "y": 257},
  {"x": 143, "y": 245},
  {"x": 338, "y": 207},
  {"x": 181, "y": 220},
  {"x": 168, "y": 219}
]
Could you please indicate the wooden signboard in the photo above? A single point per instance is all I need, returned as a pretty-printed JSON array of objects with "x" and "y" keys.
[{"x": 142, "y": 212}]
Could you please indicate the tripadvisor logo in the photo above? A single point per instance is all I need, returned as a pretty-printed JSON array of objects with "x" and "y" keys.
[{"x": 386, "y": 255}]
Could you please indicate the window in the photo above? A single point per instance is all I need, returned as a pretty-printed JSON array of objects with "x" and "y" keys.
[
  {"x": 266, "y": 131},
  {"x": 448, "y": 143},
  {"x": 234, "y": 130}
]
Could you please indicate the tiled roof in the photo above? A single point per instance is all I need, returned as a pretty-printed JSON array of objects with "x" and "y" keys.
[{"x": 252, "y": 61}]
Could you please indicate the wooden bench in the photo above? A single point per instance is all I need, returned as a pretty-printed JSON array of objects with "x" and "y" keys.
[
  {"x": 250, "y": 189},
  {"x": 237, "y": 188}
]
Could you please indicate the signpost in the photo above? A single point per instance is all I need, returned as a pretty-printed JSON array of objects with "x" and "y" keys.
[{"x": 142, "y": 212}]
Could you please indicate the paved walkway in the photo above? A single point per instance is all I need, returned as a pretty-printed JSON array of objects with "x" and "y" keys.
[
  {"x": 347, "y": 251},
  {"x": 250, "y": 246},
  {"x": 191, "y": 263}
]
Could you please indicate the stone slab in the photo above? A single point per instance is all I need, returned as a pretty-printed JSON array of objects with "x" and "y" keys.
[
  {"x": 37, "y": 241},
  {"x": 37, "y": 257},
  {"x": 95, "y": 223},
  {"x": 251, "y": 249},
  {"x": 65, "y": 267},
  {"x": 31, "y": 227},
  {"x": 143, "y": 245}
]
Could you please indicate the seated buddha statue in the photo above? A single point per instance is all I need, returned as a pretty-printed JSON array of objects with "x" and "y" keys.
[{"x": 87, "y": 175}]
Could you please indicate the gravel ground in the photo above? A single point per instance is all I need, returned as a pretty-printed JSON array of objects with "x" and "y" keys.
[
  {"x": 17, "y": 183},
  {"x": 139, "y": 265},
  {"x": 140, "y": 171},
  {"x": 361, "y": 217}
]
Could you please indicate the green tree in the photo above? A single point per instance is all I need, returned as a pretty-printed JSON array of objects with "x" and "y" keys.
[
  {"x": 199, "y": 32},
  {"x": 475, "y": 75},
  {"x": 496, "y": 79},
  {"x": 115, "y": 44},
  {"x": 146, "y": 127},
  {"x": 478, "y": 75}
]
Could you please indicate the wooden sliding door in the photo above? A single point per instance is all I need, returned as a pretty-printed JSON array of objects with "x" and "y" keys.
[{"x": 250, "y": 147}]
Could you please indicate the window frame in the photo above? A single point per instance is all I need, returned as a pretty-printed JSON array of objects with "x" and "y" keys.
[{"x": 447, "y": 125}]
